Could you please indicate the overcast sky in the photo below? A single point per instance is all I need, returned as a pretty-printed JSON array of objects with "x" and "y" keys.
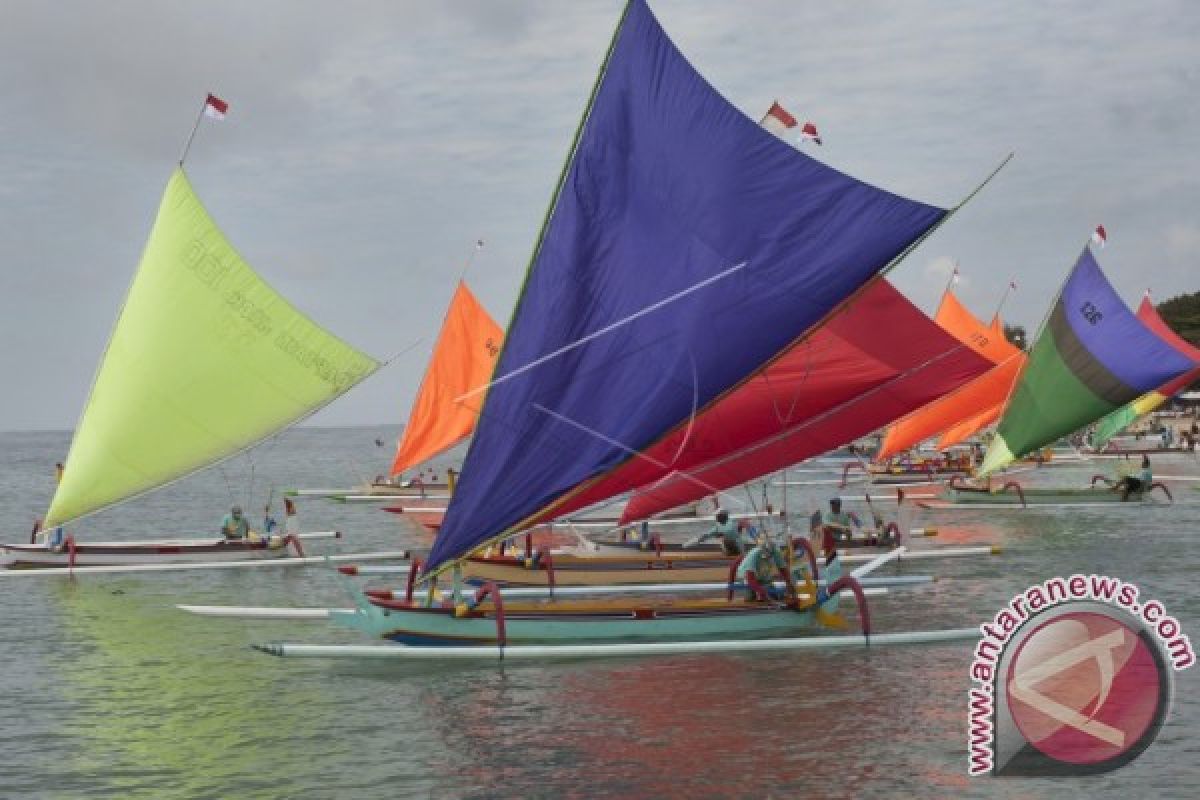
[{"x": 368, "y": 145}]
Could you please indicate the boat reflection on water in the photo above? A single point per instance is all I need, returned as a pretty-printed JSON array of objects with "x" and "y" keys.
[
  {"x": 700, "y": 726},
  {"x": 154, "y": 708}
]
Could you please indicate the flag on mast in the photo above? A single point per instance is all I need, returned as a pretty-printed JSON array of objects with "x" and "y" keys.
[
  {"x": 215, "y": 107},
  {"x": 809, "y": 133},
  {"x": 778, "y": 120},
  {"x": 1100, "y": 236}
]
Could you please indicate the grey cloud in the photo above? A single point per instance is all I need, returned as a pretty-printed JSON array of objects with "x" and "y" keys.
[{"x": 369, "y": 144}]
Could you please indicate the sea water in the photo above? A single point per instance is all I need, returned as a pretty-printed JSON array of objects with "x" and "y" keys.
[{"x": 107, "y": 690}]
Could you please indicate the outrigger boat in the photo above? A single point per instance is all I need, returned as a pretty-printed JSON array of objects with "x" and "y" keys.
[
  {"x": 540, "y": 625},
  {"x": 64, "y": 551},
  {"x": 901, "y": 472},
  {"x": 153, "y": 417},
  {"x": 463, "y": 358},
  {"x": 489, "y": 616},
  {"x": 1092, "y": 356},
  {"x": 587, "y": 381}
]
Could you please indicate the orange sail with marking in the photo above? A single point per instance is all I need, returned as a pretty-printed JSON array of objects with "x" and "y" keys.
[
  {"x": 463, "y": 360},
  {"x": 986, "y": 338},
  {"x": 967, "y": 409}
]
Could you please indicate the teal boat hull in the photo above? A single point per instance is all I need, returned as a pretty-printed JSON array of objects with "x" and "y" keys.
[{"x": 437, "y": 625}]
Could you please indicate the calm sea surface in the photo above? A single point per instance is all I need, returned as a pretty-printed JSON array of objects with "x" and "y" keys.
[{"x": 106, "y": 690}]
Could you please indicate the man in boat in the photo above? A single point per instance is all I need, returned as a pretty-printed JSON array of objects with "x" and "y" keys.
[
  {"x": 727, "y": 531},
  {"x": 759, "y": 569},
  {"x": 1135, "y": 485},
  {"x": 234, "y": 526},
  {"x": 838, "y": 523}
]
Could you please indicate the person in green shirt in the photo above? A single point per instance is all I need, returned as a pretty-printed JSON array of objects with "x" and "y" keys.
[
  {"x": 727, "y": 531},
  {"x": 234, "y": 526},
  {"x": 759, "y": 569},
  {"x": 1135, "y": 485},
  {"x": 837, "y": 522}
]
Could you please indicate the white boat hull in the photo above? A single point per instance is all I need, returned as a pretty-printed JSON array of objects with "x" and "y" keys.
[{"x": 140, "y": 553}]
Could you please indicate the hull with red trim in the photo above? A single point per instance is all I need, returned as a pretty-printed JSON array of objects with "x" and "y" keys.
[{"x": 97, "y": 554}]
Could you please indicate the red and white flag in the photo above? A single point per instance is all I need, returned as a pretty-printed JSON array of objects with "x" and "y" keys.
[
  {"x": 809, "y": 132},
  {"x": 778, "y": 120},
  {"x": 215, "y": 107},
  {"x": 1100, "y": 236}
]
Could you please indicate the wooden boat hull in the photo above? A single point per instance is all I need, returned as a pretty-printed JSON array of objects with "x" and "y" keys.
[
  {"x": 677, "y": 547},
  {"x": 607, "y": 568},
  {"x": 632, "y": 567},
  {"x": 97, "y": 554},
  {"x": 583, "y": 622}
]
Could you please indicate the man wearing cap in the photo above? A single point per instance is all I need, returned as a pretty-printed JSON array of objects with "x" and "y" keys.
[{"x": 234, "y": 526}]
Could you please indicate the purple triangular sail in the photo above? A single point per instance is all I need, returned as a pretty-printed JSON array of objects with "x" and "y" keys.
[{"x": 687, "y": 247}]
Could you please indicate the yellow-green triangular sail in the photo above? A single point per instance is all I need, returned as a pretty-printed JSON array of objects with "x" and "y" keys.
[{"x": 205, "y": 360}]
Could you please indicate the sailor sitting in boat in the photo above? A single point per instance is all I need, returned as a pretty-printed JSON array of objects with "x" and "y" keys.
[
  {"x": 759, "y": 569},
  {"x": 234, "y": 526},
  {"x": 727, "y": 531},
  {"x": 1135, "y": 485},
  {"x": 838, "y": 523}
]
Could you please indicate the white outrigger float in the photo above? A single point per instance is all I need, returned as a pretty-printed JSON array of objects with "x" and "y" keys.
[{"x": 601, "y": 621}]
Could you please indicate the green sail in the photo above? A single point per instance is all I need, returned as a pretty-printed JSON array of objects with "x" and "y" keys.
[
  {"x": 1092, "y": 357},
  {"x": 205, "y": 360}
]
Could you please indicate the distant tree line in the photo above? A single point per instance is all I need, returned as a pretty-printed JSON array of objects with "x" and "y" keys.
[{"x": 1016, "y": 336}]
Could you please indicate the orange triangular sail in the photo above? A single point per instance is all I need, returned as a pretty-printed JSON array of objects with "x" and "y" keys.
[
  {"x": 973, "y": 401},
  {"x": 987, "y": 339},
  {"x": 463, "y": 360},
  {"x": 964, "y": 430}
]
